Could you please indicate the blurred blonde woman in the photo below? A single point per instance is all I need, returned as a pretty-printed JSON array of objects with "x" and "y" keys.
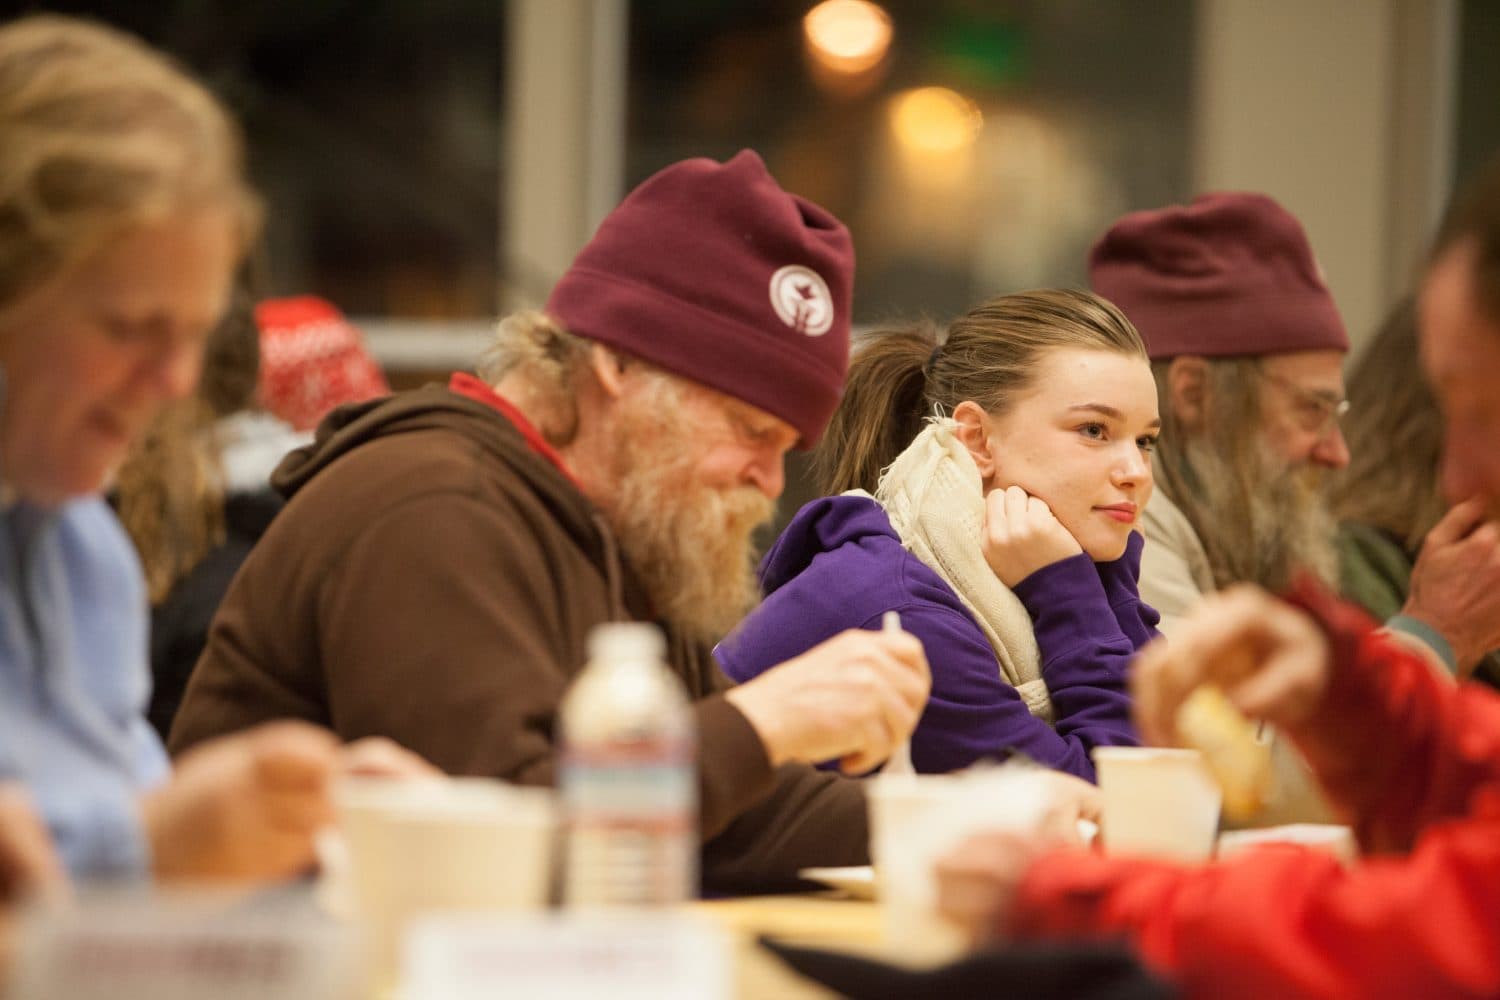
[{"x": 123, "y": 214}]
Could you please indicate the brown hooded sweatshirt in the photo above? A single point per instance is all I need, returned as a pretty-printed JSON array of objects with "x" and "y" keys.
[{"x": 432, "y": 579}]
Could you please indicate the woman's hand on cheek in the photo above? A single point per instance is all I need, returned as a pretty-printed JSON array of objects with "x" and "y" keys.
[{"x": 1021, "y": 535}]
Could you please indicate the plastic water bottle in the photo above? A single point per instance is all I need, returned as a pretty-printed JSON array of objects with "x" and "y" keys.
[{"x": 628, "y": 776}]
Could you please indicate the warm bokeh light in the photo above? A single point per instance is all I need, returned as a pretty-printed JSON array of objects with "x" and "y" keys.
[
  {"x": 848, "y": 36},
  {"x": 934, "y": 120}
]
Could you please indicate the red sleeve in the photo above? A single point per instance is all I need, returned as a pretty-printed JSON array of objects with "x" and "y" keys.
[
  {"x": 1292, "y": 923},
  {"x": 1415, "y": 759},
  {"x": 1394, "y": 745}
]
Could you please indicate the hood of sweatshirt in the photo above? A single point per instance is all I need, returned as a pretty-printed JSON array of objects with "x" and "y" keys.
[
  {"x": 822, "y": 526},
  {"x": 437, "y": 407}
]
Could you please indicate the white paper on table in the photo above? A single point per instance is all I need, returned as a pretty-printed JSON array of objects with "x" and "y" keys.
[
  {"x": 158, "y": 945},
  {"x": 623, "y": 955}
]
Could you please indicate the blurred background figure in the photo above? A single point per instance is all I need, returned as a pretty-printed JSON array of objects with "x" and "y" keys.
[
  {"x": 195, "y": 495},
  {"x": 124, "y": 213},
  {"x": 1390, "y": 500},
  {"x": 311, "y": 360}
]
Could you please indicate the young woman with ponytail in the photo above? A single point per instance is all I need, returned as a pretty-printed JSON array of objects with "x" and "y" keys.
[{"x": 985, "y": 484}]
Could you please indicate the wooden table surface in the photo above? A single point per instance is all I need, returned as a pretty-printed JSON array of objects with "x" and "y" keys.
[{"x": 817, "y": 920}]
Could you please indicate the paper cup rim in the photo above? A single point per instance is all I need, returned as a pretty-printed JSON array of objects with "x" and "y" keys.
[
  {"x": 455, "y": 799},
  {"x": 1145, "y": 753}
]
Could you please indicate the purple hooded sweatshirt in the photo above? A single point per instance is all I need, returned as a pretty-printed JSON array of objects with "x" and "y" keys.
[{"x": 841, "y": 565}]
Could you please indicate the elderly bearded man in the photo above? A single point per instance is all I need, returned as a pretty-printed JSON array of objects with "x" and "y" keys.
[
  {"x": 444, "y": 553},
  {"x": 1248, "y": 349}
]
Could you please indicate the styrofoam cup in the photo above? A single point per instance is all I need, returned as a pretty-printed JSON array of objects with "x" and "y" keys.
[
  {"x": 442, "y": 845},
  {"x": 1160, "y": 802},
  {"x": 916, "y": 819}
]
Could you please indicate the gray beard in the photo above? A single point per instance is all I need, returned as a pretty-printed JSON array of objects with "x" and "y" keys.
[
  {"x": 689, "y": 543},
  {"x": 1266, "y": 533}
]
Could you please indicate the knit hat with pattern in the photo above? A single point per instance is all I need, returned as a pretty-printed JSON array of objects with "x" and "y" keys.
[{"x": 713, "y": 272}]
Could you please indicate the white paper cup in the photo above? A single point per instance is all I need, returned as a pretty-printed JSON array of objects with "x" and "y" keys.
[
  {"x": 1331, "y": 837},
  {"x": 1159, "y": 802},
  {"x": 916, "y": 819},
  {"x": 445, "y": 845}
]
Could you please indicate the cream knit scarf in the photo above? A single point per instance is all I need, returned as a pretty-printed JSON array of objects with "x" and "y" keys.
[{"x": 934, "y": 499}]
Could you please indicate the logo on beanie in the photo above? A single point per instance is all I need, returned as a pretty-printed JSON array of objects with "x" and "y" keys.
[{"x": 801, "y": 299}]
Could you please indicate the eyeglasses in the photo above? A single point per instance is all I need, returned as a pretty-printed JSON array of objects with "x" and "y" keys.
[{"x": 1317, "y": 412}]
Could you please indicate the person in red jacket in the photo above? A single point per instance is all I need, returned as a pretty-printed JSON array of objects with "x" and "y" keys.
[{"x": 1413, "y": 762}]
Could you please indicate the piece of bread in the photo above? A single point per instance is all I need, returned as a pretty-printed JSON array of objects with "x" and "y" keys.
[{"x": 1238, "y": 759}]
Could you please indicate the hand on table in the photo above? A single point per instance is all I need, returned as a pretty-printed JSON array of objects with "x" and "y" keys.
[
  {"x": 1268, "y": 658},
  {"x": 1455, "y": 584},
  {"x": 28, "y": 862},
  {"x": 1021, "y": 535},
  {"x": 1069, "y": 801},
  {"x": 854, "y": 697},
  {"x": 244, "y": 808},
  {"x": 979, "y": 880}
]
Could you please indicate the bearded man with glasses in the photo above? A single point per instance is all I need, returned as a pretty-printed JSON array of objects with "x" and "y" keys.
[{"x": 1248, "y": 348}]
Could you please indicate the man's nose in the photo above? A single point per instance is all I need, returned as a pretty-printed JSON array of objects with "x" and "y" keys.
[
  {"x": 1332, "y": 450},
  {"x": 767, "y": 474}
]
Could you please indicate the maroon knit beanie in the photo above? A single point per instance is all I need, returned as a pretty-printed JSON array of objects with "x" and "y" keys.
[
  {"x": 1230, "y": 274},
  {"x": 713, "y": 272}
]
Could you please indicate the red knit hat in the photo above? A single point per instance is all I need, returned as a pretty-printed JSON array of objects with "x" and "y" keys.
[
  {"x": 1230, "y": 274},
  {"x": 715, "y": 273},
  {"x": 311, "y": 360}
]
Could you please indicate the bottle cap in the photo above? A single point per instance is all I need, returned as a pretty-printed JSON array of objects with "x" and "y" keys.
[{"x": 627, "y": 641}]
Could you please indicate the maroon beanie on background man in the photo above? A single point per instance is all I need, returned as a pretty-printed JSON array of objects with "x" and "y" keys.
[
  {"x": 713, "y": 272},
  {"x": 1230, "y": 274}
]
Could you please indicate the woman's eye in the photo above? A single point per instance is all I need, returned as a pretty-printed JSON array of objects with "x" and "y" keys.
[
  {"x": 1095, "y": 431},
  {"x": 1147, "y": 443}
]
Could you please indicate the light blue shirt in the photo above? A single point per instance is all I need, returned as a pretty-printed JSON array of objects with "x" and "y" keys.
[{"x": 74, "y": 680}]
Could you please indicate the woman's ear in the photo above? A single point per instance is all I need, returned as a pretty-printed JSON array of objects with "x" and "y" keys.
[
  {"x": 973, "y": 432},
  {"x": 1187, "y": 390}
]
